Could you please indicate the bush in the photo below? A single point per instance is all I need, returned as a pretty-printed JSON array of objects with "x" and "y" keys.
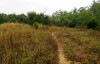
[
  {"x": 72, "y": 24},
  {"x": 35, "y": 25},
  {"x": 92, "y": 25}
]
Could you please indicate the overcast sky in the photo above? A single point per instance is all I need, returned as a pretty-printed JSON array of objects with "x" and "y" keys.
[{"x": 47, "y": 6}]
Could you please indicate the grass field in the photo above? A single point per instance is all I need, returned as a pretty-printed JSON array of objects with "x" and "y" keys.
[
  {"x": 80, "y": 45},
  {"x": 23, "y": 44}
]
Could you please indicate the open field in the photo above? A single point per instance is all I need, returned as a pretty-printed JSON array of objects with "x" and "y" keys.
[
  {"x": 80, "y": 45},
  {"x": 23, "y": 44}
]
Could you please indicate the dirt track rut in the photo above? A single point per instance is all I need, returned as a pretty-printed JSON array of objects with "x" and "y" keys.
[{"x": 62, "y": 59}]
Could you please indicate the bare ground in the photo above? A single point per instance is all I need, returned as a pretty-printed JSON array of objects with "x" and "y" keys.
[{"x": 62, "y": 59}]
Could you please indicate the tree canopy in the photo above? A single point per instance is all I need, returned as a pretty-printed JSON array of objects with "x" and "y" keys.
[{"x": 84, "y": 17}]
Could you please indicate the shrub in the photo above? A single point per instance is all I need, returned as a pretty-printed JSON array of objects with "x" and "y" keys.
[
  {"x": 35, "y": 25},
  {"x": 92, "y": 25},
  {"x": 72, "y": 24}
]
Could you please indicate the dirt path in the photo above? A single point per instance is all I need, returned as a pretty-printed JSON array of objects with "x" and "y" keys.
[{"x": 62, "y": 59}]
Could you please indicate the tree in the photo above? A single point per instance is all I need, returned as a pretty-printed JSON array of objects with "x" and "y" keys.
[
  {"x": 3, "y": 18},
  {"x": 95, "y": 9},
  {"x": 31, "y": 17},
  {"x": 46, "y": 20},
  {"x": 59, "y": 18},
  {"x": 85, "y": 16},
  {"x": 12, "y": 18},
  {"x": 22, "y": 18}
]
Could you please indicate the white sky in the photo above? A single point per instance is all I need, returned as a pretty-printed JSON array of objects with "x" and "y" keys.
[{"x": 47, "y": 6}]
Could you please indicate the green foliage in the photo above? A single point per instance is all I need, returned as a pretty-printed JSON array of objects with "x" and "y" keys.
[
  {"x": 40, "y": 18},
  {"x": 35, "y": 25},
  {"x": 77, "y": 18},
  {"x": 59, "y": 18},
  {"x": 72, "y": 24},
  {"x": 92, "y": 25},
  {"x": 31, "y": 17},
  {"x": 3, "y": 18}
]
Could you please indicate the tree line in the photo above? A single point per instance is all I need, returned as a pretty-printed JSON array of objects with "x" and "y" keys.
[{"x": 84, "y": 17}]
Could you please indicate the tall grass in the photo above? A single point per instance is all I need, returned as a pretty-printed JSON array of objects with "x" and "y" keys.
[
  {"x": 21, "y": 44},
  {"x": 80, "y": 45}
]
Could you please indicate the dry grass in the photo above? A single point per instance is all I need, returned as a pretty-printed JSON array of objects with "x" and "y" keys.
[
  {"x": 21, "y": 44},
  {"x": 80, "y": 45}
]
